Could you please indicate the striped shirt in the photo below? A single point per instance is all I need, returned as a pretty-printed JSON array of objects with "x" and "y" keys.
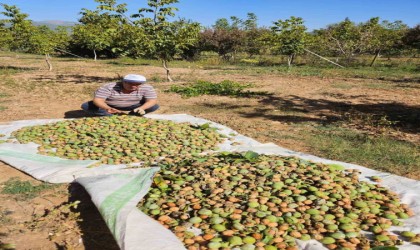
[{"x": 113, "y": 95}]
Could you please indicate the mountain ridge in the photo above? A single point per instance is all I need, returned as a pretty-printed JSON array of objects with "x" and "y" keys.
[{"x": 52, "y": 24}]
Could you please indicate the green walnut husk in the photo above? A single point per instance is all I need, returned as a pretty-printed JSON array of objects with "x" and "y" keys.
[
  {"x": 119, "y": 139},
  {"x": 408, "y": 234},
  {"x": 241, "y": 204}
]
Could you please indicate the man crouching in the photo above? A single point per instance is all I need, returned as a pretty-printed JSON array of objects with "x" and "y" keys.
[{"x": 131, "y": 95}]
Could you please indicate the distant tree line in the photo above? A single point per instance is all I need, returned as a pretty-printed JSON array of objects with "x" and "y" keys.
[{"x": 108, "y": 32}]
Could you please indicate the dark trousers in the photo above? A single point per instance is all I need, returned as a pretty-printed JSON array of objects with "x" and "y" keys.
[{"x": 92, "y": 109}]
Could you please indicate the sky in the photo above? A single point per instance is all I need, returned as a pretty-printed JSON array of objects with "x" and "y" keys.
[{"x": 316, "y": 13}]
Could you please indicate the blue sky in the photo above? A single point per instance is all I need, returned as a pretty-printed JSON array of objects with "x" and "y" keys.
[{"x": 316, "y": 13}]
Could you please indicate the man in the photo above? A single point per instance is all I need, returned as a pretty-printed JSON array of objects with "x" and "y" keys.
[{"x": 132, "y": 95}]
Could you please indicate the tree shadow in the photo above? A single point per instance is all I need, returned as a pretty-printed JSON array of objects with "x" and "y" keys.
[
  {"x": 399, "y": 115},
  {"x": 67, "y": 59},
  {"x": 291, "y": 118},
  {"x": 76, "y": 78},
  {"x": 96, "y": 234},
  {"x": 408, "y": 85},
  {"x": 296, "y": 109},
  {"x": 17, "y": 68},
  {"x": 296, "y": 114},
  {"x": 226, "y": 106},
  {"x": 401, "y": 80},
  {"x": 128, "y": 64}
]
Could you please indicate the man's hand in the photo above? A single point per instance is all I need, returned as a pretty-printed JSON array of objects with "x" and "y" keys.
[
  {"x": 139, "y": 111},
  {"x": 113, "y": 111}
]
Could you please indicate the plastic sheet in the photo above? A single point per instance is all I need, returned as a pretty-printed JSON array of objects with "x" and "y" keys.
[{"x": 116, "y": 190}]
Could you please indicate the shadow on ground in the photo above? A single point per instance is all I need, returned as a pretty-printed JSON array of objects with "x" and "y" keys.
[
  {"x": 128, "y": 64},
  {"x": 75, "y": 78},
  {"x": 297, "y": 109},
  {"x": 399, "y": 115},
  {"x": 401, "y": 80},
  {"x": 96, "y": 234},
  {"x": 17, "y": 68}
]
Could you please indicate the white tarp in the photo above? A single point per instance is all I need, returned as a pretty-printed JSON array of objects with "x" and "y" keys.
[{"x": 116, "y": 190}]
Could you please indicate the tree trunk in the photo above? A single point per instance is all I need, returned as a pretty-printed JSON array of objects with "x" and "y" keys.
[
  {"x": 94, "y": 52},
  {"x": 292, "y": 59},
  {"x": 168, "y": 75},
  {"x": 47, "y": 59},
  {"x": 349, "y": 59},
  {"x": 374, "y": 59},
  {"x": 289, "y": 61}
]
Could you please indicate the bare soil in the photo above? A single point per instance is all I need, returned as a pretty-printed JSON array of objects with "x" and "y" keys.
[{"x": 272, "y": 116}]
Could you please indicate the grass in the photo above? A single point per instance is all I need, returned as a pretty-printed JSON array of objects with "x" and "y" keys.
[
  {"x": 372, "y": 120},
  {"x": 5, "y": 74},
  {"x": 381, "y": 153},
  {"x": 24, "y": 189},
  {"x": 125, "y": 61},
  {"x": 224, "y": 88},
  {"x": 157, "y": 78},
  {"x": 397, "y": 74},
  {"x": 88, "y": 89},
  {"x": 342, "y": 85},
  {"x": 5, "y": 218},
  {"x": 7, "y": 71},
  {"x": 2, "y": 95},
  {"x": 379, "y": 85},
  {"x": 391, "y": 70},
  {"x": 376, "y": 84},
  {"x": 395, "y": 69}
]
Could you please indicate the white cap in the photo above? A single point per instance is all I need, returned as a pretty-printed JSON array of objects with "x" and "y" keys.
[{"x": 134, "y": 78}]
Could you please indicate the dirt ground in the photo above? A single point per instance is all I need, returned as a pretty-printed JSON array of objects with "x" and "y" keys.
[{"x": 35, "y": 93}]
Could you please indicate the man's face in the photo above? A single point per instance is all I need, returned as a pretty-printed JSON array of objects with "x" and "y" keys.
[{"x": 130, "y": 86}]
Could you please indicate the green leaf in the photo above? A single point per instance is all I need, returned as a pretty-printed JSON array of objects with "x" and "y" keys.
[
  {"x": 267, "y": 239},
  {"x": 250, "y": 155},
  {"x": 158, "y": 180},
  {"x": 336, "y": 167},
  {"x": 202, "y": 159},
  {"x": 205, "y": 126}
]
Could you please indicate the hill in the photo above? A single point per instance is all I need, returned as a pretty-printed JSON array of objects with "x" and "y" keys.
[{"x": 52, "y": 24}]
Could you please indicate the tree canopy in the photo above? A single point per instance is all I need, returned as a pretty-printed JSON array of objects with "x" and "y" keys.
[{"x": 155, "y": 32}]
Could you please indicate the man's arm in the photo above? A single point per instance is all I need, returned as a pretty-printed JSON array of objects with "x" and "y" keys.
[
  {"x": 148, "y": 104},
  {"x": 100, "y": 103}
]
